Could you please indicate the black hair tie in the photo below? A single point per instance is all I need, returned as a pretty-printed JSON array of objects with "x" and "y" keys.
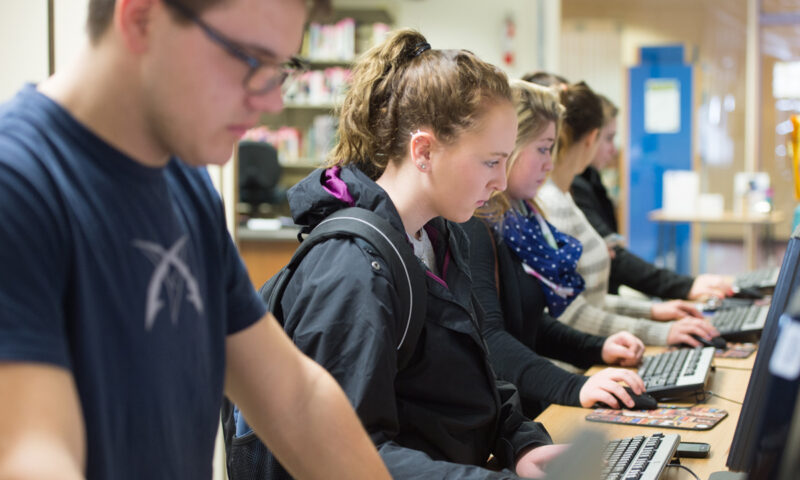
[{"x": 419, "y": 48}]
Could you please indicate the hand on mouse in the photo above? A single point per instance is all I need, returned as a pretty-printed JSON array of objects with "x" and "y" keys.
[
  {"x": 623, "y": 349},
  {"x": 682, "y": 330},
  {"x": 603, "y": 387},
  {"x": 673, "y": 310}
]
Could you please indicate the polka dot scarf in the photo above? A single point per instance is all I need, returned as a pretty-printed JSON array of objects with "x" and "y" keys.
[{"x": 554, "y": 263}]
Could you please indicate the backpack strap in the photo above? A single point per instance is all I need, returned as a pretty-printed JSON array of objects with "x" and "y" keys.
[{"x": 407, "y": 275}]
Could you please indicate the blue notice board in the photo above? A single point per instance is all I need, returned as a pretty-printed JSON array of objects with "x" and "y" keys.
[{"x": 660, "y": 139}]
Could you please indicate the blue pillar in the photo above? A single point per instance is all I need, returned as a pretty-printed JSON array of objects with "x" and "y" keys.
[{"x": 659, "y": 139}]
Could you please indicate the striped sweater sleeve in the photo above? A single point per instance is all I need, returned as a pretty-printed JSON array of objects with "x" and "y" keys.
[
  {"x": 632, "y": 307},
  {"x": 590, "y": 319}
]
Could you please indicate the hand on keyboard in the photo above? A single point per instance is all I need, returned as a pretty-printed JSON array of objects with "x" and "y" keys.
[
  {"x": 603, "y": 387},
  {"x": 623, "y": 349},
  {"x": 682, "y": 330}
]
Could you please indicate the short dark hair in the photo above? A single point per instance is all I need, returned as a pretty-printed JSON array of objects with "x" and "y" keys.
[{"x": 101, "y": 12}]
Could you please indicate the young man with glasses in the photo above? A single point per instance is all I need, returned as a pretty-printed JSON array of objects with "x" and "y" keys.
[{"x": 124, "y": 307}]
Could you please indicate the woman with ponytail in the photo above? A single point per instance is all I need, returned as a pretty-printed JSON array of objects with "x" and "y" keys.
[
  {"x": 594, "y": 310},
  {"x": 424, "y": 135}
]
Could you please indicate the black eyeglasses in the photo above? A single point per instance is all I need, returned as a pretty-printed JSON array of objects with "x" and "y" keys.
[{"x": 261, "y": 77}]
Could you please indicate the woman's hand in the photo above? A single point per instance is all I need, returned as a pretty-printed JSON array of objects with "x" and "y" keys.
[
  {"x": 604, "y": 387},
  {"x": 673, "y": 310},
  {"x": 682, "y": 330},
  {"x": 623, "y": 349},
  {"x": 708, "y": 285}
]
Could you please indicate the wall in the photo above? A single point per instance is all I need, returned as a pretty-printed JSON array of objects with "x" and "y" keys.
[
  {"x": 478, "y": 25},
  {"x": 70, "y": 30},
  {"x": 23, "y": 34}
]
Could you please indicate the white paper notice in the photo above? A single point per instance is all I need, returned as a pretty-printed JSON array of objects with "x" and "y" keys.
[
  {"x": 785, "y": 361},
  {"x": 662, "y": 105}
]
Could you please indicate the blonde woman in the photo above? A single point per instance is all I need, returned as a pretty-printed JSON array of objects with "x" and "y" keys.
[{"x": 521, "y": 264}]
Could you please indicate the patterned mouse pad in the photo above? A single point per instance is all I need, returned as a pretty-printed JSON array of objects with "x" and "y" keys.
[
  {"x": 736, "y": 350},
  {"x": 668, "y": 416}
]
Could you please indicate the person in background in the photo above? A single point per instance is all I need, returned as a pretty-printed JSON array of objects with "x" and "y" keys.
[
  {"x": 125, "y": 310},
  {"x": 627, "y": 268},
  {"x": 594, "y": 310},
  {"x": 424, "y": 136},
  {"x": 513, "y": 285}
]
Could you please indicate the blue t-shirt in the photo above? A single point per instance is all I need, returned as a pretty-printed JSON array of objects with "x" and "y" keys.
[{"x": 126, "y": 276}]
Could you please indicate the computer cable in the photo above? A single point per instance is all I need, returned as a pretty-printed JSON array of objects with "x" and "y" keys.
[
  {"x": 733, "y": 368},
  {"x": 724, "y": 398},
  {"x": 678, "y": 465}
]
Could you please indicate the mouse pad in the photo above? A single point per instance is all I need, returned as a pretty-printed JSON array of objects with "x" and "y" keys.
[
  {"x": 734, "y": 350},
  {"x": 669, "y": 416}
]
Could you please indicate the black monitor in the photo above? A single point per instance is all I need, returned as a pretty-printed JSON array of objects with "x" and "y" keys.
[
  {"x": 790, "y": 464},
  {"x": 766, "y": 396}
]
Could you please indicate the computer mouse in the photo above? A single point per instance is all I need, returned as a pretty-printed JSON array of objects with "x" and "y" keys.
[
  {"x": 747, "y": 292},
  {"x": 716, "y": 342},
  {"x": 644, "y": 401}
]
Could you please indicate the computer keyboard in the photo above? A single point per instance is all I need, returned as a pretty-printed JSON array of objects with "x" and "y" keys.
[
  {"x": 639, "y": 457},
  {"x": 676, "y": 372},
  {"x": 735, "y": 322},
  {"x": 761, "y": 278}
]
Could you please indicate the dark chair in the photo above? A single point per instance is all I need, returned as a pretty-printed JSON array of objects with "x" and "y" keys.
[{"x": 259, "y": 174}]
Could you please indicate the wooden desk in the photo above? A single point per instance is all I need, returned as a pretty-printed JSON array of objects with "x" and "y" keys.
[
  {"x": 564, "y": 423},
  {"x": 266, "y": 252},
  {"x": 750, "y": 222}
]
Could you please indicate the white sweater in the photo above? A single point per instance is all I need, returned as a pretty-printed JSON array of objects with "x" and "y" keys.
[{"x": 594, "y": 310}]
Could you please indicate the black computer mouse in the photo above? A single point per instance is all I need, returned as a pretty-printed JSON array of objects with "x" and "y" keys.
[
  {"x": 716, "y": 342},
  {"x": 747, "y": 292},
  {"x": 640, "y": 402}
]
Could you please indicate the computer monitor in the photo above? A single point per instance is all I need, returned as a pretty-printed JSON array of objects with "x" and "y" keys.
[
  {"x": 790, "y": 465},
  {"x": 745, "y": 438},
  {"x": 780, "y": 397}
]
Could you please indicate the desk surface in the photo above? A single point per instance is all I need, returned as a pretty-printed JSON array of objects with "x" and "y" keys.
[
  {"x": 770, "y": 218},
  {"x": 731, "y": 383}
]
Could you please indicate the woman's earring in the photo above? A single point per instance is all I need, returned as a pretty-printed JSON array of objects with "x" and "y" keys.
[{"x": 422, "y": 165}]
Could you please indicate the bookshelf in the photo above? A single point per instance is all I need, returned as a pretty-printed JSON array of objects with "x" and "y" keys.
[{"x": 303, "y": 133}]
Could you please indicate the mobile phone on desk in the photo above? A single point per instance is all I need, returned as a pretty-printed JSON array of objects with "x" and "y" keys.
[{"x": 692, "y": 450}]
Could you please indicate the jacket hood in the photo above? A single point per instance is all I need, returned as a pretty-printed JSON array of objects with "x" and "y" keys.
[{"x": 325, "y": 191}]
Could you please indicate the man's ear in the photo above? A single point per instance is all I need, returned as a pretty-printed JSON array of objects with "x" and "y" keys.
[
  {"x": 133, "y": 19},
  {"x": 420, "y": 146}
]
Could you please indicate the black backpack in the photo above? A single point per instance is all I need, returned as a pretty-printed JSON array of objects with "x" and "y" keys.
[{"x": 247, "y": 457}]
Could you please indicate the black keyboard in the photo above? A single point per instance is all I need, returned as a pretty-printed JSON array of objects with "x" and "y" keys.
[
  {"x": 734, "y": 322},
  {"x": 676, "y": 372},
  {"x": 638, "y": 457}
]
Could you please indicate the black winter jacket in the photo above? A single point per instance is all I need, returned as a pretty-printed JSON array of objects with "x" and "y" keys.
[
  {"x": 627, "y": 268},
  {"x": 518, "y": 330},
  {"x": 441, "y": 416}
]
